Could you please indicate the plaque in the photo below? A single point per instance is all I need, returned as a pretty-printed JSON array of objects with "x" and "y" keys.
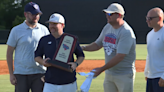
[{"x": 64, "y": 52}]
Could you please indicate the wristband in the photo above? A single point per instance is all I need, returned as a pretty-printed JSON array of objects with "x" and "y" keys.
[{"x": 76, "y": 64}]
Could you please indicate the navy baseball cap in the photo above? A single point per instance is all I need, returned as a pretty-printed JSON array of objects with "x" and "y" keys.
[{"x": 33, "y": 8}]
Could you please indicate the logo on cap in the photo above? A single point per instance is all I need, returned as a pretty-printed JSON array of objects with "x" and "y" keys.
[
  {"x": 36, "y": 6},
  {"x": 52, "y": 16}
]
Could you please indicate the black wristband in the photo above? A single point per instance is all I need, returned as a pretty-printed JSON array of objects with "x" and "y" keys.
[{"x": 76, "y": 64}]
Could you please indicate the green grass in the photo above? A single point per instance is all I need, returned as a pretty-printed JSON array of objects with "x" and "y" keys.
[
  {"x": 3, "y": 49},
  {"x": 96, "y": 86},
  {"x": 141, "y": 53},
  {"x": 95, "y": 54}
]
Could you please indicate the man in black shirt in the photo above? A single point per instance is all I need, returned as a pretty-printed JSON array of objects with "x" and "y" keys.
[{"x": 57, "y": 80}]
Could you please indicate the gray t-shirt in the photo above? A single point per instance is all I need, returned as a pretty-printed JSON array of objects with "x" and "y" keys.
[
  {"x": 25, "y": 41},
  {"x": 121, "y": 40}
]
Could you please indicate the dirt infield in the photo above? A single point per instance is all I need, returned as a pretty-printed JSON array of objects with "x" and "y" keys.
[{"x": 86, "y": 66}]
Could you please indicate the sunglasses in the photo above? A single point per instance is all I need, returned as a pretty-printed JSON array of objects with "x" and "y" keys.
[
  {"x": 110, "y": 14},
  {"x": 150, "y": 18}
]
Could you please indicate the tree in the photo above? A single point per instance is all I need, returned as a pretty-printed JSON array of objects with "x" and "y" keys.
[{"x": 11, "y": 12}]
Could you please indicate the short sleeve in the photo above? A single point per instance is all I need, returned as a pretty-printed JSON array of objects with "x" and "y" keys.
[
  {"x": 125, "y": 42},
  {"x": 12, "y": 40},
  {"x": 101, "y": 36}
]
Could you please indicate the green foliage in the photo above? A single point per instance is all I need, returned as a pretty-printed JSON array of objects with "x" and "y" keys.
[
  {"x": 18, "y": 20},
  {"x": 9, "y": 9},
  {"x": 2, "y": 27}
]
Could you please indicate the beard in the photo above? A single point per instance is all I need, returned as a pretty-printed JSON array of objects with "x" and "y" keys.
[{"x": 31, "y": 22}]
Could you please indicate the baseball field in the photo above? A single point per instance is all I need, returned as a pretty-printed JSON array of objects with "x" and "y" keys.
[{"x": 92, "y": 60}]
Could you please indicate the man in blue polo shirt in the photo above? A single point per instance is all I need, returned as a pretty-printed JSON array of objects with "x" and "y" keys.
[
  {"x": 57, "y": 80},
  {"x": 24, "y": 39}
]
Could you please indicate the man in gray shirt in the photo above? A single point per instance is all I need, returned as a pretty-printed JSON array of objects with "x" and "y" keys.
[
  {"x": 119, "y": 42},
  {"x": 23, "y": 39}
]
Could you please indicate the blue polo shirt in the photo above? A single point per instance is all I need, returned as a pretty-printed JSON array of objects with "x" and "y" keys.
[
  {"x": 47, "y": 46},
  {"x": 25, "y": 40}
]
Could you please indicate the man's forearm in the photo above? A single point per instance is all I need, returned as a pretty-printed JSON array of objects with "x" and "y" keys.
[
  {"x": 79, "y": 60},
  {"x": 39, "y": 60},
  {"x": 114, "y": 61},
  {"x": 9, "y": 57},
  {"x": 10, "y": 63},
  {"x": 91, "y": 47}
]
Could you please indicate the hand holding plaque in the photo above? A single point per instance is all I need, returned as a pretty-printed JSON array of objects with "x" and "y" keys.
[{"x": 64, "y": 52}]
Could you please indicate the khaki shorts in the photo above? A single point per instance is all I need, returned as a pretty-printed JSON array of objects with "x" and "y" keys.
[{"x": 119, "y": 83}]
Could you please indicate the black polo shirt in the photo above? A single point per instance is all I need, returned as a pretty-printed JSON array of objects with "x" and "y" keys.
[{"x": 47, "y": 46}]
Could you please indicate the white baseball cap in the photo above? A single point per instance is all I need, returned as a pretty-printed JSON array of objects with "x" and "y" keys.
[
  {"x": 115, "y": 8},
  {"x": 56, "y": 18}
]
